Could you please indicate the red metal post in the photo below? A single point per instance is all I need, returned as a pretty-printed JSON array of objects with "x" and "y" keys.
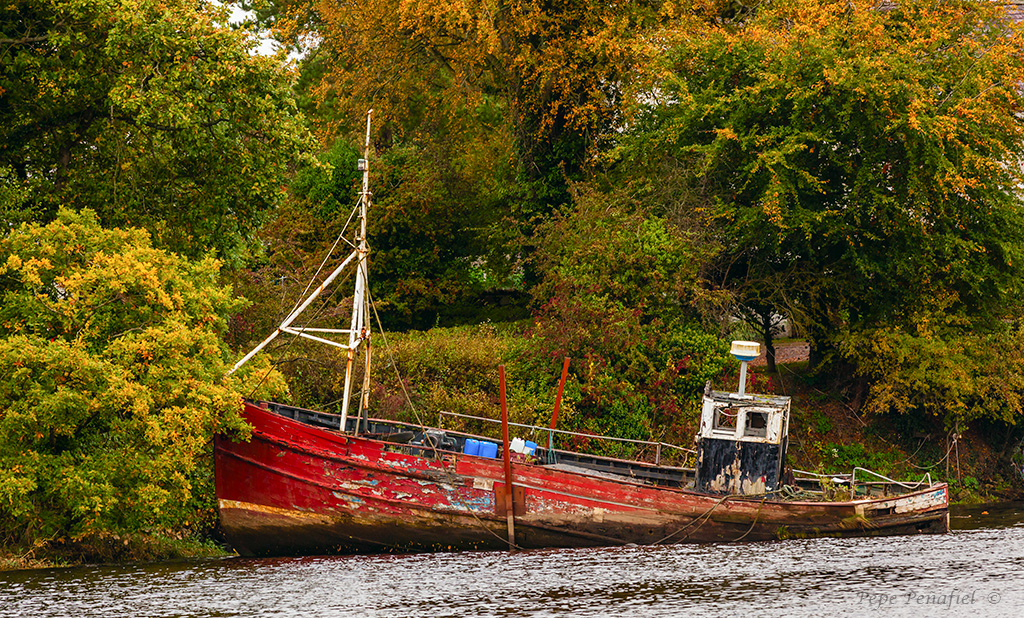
[
  {"x": 554, "y": 416},
  {"x": 561, "y": 388},
  {"x": 509, "y": 508}
]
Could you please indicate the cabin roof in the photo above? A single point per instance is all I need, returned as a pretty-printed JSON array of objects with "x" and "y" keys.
[{"x": 750, "y": 399}]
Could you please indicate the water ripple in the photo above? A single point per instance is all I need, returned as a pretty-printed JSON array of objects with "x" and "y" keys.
[{"x": 978, "y": 570}]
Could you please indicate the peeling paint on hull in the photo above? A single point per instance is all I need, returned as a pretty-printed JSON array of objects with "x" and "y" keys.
[{"x": 298, "y": 489}]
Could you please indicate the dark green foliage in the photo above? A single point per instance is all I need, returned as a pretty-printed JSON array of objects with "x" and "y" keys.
[
  {"x": 152, "y": 115},
  {"x": 843, "y": 458},
  {"x": 435, "y": 206},
  {"x": 865, "y": 162},
  {"x": 327, "y": 191}
]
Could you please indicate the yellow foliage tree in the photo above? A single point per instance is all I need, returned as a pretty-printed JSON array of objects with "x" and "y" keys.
[
  {"x": 111, "y": 382},
  {"x": 555, "y": 69}
]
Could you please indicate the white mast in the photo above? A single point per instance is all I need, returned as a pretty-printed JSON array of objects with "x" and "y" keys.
[{"x": 359, "y": 328}]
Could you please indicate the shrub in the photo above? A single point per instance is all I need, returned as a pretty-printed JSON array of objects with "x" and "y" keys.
[
  {"x": 949, "y": 374},
  {"x": 112, "y": 382},
  {"x": 621, "y": 295}
]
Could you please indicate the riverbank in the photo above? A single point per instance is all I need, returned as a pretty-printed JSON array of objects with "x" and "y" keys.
[
  {"x": 827, "y": 435},
  {"x": 110, "y": 549}
]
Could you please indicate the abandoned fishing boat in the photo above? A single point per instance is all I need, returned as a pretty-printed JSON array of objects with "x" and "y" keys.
[{"x": 312, "y": 482}]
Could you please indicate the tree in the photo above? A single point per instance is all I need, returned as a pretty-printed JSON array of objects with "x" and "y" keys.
[
  {"x": 867, "y": 160},
  {"x": 484, "y": 115},
  {"x": 761, "y": 316},
  {"x": 555, "y": 64},
  {"x": 543, "y": 77},
  {"x": 152, "y": 114},
  {"x": 112, "y": 382},
  {"x": 622, "y": 294}
]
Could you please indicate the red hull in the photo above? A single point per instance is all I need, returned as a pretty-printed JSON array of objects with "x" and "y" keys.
[{"x": 299, "y": 489}]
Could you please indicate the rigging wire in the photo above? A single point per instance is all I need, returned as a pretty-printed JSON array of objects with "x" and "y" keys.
[
  {"x": 316, "y": 314},
  {"x": 341, "y": 237},
  {"x": 323, "y": 302}
]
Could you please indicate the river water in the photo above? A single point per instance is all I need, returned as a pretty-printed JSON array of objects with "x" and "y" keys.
[{"x": 976, "y": 570}]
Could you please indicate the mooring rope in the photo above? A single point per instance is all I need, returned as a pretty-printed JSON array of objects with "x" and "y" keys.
[
  {"x": 753, "y": 523},
  {"x": 705, "y": 516}
]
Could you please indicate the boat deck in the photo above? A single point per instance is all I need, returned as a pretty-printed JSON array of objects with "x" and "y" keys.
[{"x": 415, "y": 439}]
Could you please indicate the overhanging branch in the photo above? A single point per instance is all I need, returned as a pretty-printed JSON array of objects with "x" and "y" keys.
[{"x": 25, "y": 40}]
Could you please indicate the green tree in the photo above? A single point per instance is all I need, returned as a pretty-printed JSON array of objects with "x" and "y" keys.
[
  {"x": 111, "y": 382},
  {"x": 525, "y": 89},
  {"x": 623, "y": 295},
  {"x": 438, "y": 204},
  {"x": 153, "y": 114},
  {"x": 866, "y": 161}
]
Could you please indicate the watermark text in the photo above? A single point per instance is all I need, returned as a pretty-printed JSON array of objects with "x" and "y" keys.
[{"x": 948, "y": 598}]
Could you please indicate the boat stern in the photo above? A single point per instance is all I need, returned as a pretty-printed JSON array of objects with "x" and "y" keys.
[{"x": 925, "y": 511}]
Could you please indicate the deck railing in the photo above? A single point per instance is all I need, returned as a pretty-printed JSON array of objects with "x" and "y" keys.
[
  {"x": 658, "y": 446},
  {"x": 853, "y": 479},
  {"x": 926, "y": 480}
]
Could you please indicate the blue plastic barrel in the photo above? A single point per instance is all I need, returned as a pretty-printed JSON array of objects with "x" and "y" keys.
[
  {"x": 472, "y": 447},
  {"x": 488, "y": 449},
  {"x": 531, "y": 448}
]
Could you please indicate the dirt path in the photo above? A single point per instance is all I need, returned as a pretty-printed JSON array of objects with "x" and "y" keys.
[{"x": 785, "y": 353}]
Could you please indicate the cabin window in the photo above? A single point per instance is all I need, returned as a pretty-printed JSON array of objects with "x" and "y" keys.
[
  {"x": 757, "y": 424},
  {"x": 725, "y": 419}
]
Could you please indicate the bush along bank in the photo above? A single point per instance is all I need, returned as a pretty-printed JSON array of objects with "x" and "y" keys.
[
  {"x": 110, "y": 548},
  {"x": 828, "y": 435}
]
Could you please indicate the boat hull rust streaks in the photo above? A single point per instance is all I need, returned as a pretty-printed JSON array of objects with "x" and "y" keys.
[{"x": 319, "y": 491}]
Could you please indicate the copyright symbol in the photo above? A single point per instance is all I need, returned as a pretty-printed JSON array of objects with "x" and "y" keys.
[{"x": 993, "y": 597}]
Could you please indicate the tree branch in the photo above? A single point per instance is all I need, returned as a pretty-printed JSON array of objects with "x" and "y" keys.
[
  {"x": 25, "y": 40},
  {"x": 170, "y": 128}
]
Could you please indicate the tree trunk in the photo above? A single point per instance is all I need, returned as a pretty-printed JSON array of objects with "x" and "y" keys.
[
  {"x": 814, "y": 357},
  {"x": 769, "y": 340},
  {"x": 860, "y": 394}
]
